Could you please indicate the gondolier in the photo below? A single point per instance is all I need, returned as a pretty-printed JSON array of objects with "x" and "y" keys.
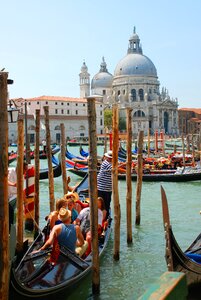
[{"x": 104, "y": 180}]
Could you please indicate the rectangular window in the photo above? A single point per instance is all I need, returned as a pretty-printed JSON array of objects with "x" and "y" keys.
[
  {"x": 46, "y": 102},
  {"x": 76, "y": 112},
  {"x": 84, "y": 104},
  {"x": 62, "y": 111},
  {"x": 76, "y": 104},
  {"x": 56, "y": 111},
  {"x": 68, "y": 104},
  {"x": 68, "y": 112},
  {"x": 38, "y": 102},
  {"x": 104, "y": 92}
]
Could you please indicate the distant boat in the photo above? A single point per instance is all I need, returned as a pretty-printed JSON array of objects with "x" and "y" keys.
[{"x": 78, "y": 141}]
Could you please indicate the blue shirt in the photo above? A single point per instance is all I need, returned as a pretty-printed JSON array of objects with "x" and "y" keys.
[{"x": 68, "y": 236}]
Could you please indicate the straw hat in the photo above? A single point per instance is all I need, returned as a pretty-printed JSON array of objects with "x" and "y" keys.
[
  {"x": 73, "y": 195},
  {"x": 64, "y": 214},
  {"x": 108, "y": 154}
]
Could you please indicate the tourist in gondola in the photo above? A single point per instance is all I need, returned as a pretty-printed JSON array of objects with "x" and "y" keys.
[
  {"x": 83, "y": 220},
  {"x": 53, "y": 217},
  {"x": 67, "y": 234}
]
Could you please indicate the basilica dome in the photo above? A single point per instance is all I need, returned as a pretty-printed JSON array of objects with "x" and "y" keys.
[
  {"x": 103, "y": 79},
  {"x": 135, "y": 64}
]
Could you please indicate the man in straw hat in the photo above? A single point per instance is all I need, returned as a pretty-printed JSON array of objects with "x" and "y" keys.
[
  {"x": 104, "y": 180},
  {"x": 67, "y": 234}
]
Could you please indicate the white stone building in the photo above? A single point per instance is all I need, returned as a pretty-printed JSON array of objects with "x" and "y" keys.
[
  {"x": 72, "y": 112},
  {"x": 135, "y": 84}
]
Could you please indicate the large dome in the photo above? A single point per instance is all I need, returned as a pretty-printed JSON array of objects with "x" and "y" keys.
[{"x": 135, "y": 64}]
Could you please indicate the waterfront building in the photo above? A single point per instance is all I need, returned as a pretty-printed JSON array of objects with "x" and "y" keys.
[
  {"x": 135, "y": 84},
  {"x": 189, "y": 120},
  {"x": 72, "y": 112}
]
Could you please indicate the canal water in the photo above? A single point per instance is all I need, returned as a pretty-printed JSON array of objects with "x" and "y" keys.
[{"x": 141, "y": 263}]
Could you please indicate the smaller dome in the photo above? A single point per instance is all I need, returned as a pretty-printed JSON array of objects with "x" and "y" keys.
[{"x": 102, "y": 79}]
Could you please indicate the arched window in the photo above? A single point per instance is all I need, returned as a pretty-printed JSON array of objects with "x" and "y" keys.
[
  {"x": 31, "y": 127},
  {"x": 133, "y": 95},
  {"x": 141, "y": 94},
  {"x": 57, "y": 127},
  {"x": 139, "y": 114},
  {"x": 82, "y": 127}
]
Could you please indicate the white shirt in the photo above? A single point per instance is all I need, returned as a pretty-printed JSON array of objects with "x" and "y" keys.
[
  {"x": 84, "y": 211},
  {"x": 12, "y": 177}
]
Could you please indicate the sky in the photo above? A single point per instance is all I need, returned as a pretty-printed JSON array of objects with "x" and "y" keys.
[{"x": 43, "y": 43}]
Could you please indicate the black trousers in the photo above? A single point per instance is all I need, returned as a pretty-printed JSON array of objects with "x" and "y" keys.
[{"x": 107, "y": 196}]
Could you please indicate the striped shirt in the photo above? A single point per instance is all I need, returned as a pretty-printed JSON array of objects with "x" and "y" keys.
[{"x": 104, "y": 179}]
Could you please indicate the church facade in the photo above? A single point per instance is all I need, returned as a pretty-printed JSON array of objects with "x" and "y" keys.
[{"x": 134, "y": 84}]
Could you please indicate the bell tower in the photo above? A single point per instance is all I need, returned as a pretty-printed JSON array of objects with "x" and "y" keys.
[{"x": 84, "y": 81}]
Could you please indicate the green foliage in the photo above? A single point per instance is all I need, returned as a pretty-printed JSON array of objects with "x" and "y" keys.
[
  {"x": 122, "y": 123},
  {"x": 108, "y": 118}
]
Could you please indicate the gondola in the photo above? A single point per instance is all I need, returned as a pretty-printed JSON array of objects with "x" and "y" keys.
[
  {"x": 35, "y": 275},
  {"x": 189, "y": 261},
  {"x": 165, "y": 175},
  {"x": 56, "y": 170},
  {"x": 43, "y": 155},
  {"x": 12, "y": 157}
]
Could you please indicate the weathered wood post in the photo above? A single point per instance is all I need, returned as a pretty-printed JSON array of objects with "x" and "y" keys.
[
  {"x": 63, "y": 159},
  {"x": 183, "y": 151},
  {"x": 156, "y": 141},
  {"x": 148, "y": 146},
  {"x": 128, "y": 176},
  {"x": 188, "y": 143},
  {"x": 93, "y": 194},
  {"x": 115, "y": 148},
  {"x": 139, "y": 176},
  {"x": 4, "y": 213},
  {"x": 193, "y": 150},
  {"x": 27, "y": 137},
  {"x": 20, "y": 186},
  {"x": 37, "y": 171},
  {"x": 49, "y": 158}
]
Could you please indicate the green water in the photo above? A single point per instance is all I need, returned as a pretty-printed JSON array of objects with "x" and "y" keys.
[{"x": 142, "y": 262}]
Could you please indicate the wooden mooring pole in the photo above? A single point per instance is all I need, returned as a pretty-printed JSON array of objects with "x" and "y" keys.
[
  {"x": 63, "y": 159},
  {"x": 20, "y": 186},
  {"x": 37, "y": 171},
  {"x": 4, "y": 213},
  {"x": 139, "y": 176},
  {"x": 49, "y": 158},
  {"x": 93, "y": 194},
  {"x": 128, "y": 176},
  {"x": 115, "y": 148}
]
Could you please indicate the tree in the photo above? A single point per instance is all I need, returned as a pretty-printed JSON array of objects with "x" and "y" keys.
[{"x": 108, "y": 118}]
